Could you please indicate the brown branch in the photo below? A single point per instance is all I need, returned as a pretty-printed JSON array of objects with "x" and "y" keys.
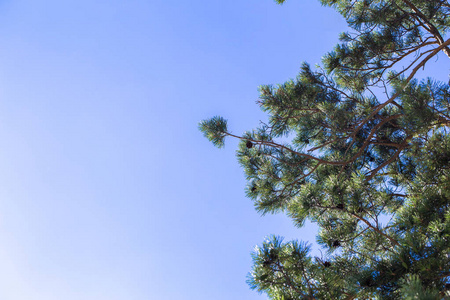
[
  {"x": 393, "y": 97},
  {"x": 375, "y": 228},
  {"x": 431, "y": 28},
  {"x": 365, "y": 221},
  {"x": 394, "y": 157},
  {"x": 275, "y": 145}
]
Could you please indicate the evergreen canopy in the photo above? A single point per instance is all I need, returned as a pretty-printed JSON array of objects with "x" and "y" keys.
[{"x": 368, "y": 141}]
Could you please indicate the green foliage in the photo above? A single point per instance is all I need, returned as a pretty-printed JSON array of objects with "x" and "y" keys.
[
  {"x": 368, "y": 160},
  {"x": 214, "y": 130},
  {"x": 413, "y": 289}
]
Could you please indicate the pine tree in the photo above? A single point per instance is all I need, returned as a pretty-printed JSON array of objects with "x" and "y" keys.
[{"x": 368, "y": 142}]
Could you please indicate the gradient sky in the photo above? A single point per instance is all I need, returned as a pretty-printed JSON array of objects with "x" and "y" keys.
[{"x": 107, "y": 188}]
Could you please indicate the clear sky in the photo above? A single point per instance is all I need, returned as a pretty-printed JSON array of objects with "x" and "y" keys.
[{"x": 107, "y": 188}]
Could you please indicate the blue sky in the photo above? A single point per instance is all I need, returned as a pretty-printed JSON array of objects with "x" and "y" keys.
[{"x": 107, "y": 188}]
